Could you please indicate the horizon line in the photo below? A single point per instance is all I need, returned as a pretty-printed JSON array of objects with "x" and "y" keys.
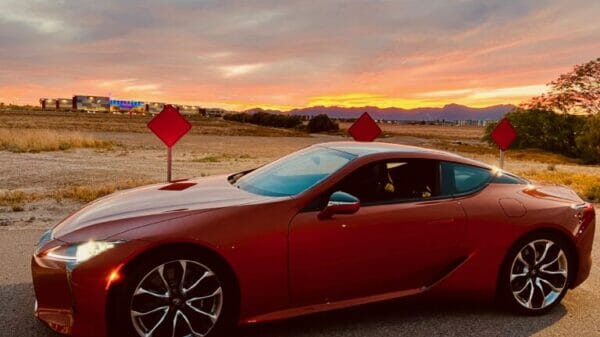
[{"x": 268, "y": 107}]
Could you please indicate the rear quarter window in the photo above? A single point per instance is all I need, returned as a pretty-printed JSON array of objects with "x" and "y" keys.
[
  {"x": 509, "y": 179},
  {"x": 463, "y": 179}
]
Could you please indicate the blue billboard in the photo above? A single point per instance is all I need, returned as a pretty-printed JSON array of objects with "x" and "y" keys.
[{"x": 125, "y": 105}]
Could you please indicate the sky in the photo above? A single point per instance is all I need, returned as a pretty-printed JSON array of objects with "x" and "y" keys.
[{"x": 293, "y": 53}]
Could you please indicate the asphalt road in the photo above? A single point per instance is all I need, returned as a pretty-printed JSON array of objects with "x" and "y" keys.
[{"x": 579, "y": 314}]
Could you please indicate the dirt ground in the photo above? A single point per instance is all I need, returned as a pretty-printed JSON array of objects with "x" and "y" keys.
[
  {"x": 141, "y": 156},
  {"x": 213, "y": 146}
]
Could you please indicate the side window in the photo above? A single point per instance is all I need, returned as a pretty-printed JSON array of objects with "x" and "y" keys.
[
  {"x": 461, "y": 179},
  {"x": 392, "y": 181}
]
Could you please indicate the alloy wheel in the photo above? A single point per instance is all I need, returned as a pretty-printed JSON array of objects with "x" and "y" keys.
[
  {"x": 539, "y": 274},
  {"x": 176, "y": 299}
]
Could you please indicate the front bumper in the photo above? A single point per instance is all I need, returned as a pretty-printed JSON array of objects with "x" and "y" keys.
[
  {"x": 55, "y": 296},
  {"x": 72, "y": 299},
  {"x": 585, "y": 242}
]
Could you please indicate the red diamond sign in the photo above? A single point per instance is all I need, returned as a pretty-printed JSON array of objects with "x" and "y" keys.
[
  {"x": 169, "y": 125},
  {"x": 504, "y": 134},
  {"x": 364, "y": 129}
]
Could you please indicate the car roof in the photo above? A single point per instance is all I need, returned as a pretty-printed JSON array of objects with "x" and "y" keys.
[{"x": 370, "y": 148}]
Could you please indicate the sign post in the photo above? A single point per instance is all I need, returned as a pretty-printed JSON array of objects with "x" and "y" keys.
[
  {"x": 504, "y": 134},
  {"x": 365, "y": 129},
  {"x": 169, "y": 125},
  {"x": 169, "y": 162}
]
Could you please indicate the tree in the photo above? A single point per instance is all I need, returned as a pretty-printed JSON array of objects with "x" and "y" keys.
[
  {"x": 588, "y": 142},
  {"x": 544, "y": 130},
  {"x": 322, "y": 123},
  {"x": 577, "y": 91},
  {"x": 565, "y": 120}
]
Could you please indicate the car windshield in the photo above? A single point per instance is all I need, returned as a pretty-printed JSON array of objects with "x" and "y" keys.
[{"x": 295, "y": 173}]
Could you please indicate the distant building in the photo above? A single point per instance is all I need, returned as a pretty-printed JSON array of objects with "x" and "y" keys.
[
  {"x": 212, "y": 112},
  {"x": 474, "y": 122},
  {"x": 108, "y": 104},
  {"x": 91, "y": 103},
  {"x": 187, "y": 109},
  {"x": 48, "y": 103},
  {"x": 154, "y": 107},
  {"x": 64, "y": 103},
  {"x": 119, "y": 105},
  {"x": 56, "y": 103}
]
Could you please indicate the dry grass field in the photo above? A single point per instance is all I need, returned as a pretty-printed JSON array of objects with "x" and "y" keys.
[
  {"x": 52, "y": 163},
  {"x": 37, "y": 140},
  {"x": 429, "y": 131},
  {"x": 81, "y": 121}
]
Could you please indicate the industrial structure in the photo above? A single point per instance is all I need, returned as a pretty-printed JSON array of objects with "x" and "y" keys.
[{"x": 99, "y": 104}]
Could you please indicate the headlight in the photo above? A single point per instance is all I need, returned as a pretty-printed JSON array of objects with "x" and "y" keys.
[{"x": 80, "y": 252}]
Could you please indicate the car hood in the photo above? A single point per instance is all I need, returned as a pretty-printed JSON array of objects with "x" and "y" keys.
[{"x": 170, "y": 199}]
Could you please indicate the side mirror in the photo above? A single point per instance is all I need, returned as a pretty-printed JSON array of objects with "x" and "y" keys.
[{"x": 340, "y": 203}]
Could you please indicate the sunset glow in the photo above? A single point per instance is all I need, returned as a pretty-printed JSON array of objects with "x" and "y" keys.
[{"x": 288, "y": 54}]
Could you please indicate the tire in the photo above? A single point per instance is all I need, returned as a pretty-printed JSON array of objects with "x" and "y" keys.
[
  {"x": 536, "y": 273},
  {"x": 155, "y": 298}
]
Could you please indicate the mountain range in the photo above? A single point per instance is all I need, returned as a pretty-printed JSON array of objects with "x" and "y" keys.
[{"x": 449, "y": 112}]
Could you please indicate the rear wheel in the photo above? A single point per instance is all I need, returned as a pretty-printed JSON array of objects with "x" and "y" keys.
[
  {"x": 175, "y": 295},
  {"x": 535, "y": 276}
]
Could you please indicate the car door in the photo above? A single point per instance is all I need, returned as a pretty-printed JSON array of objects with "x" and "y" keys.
[{"x": 398, "y": 242}]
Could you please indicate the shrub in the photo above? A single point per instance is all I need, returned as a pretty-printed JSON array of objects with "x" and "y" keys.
[
  {"x": 18, "y": 208},
  {"x": 16, "y": 197},
  {"x": 322, "y": 123},
  {"x": 36, "y": 140},
  {"x": 87, "y": 193},
  {"x": 241, "y": 117},
  {"x": 593, "y": 193},
  {"x": 265, "y": 119}
]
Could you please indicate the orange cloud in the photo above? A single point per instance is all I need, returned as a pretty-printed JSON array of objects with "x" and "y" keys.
[{"x": 294, "y": 53}]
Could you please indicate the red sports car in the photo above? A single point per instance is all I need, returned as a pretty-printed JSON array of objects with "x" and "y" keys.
[{"x": 329, "y": 226}]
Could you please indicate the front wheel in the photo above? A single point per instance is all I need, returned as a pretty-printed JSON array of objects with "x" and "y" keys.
[
  {"x": 535, "y": 276},
  {"x": 173, "y": 295}
]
